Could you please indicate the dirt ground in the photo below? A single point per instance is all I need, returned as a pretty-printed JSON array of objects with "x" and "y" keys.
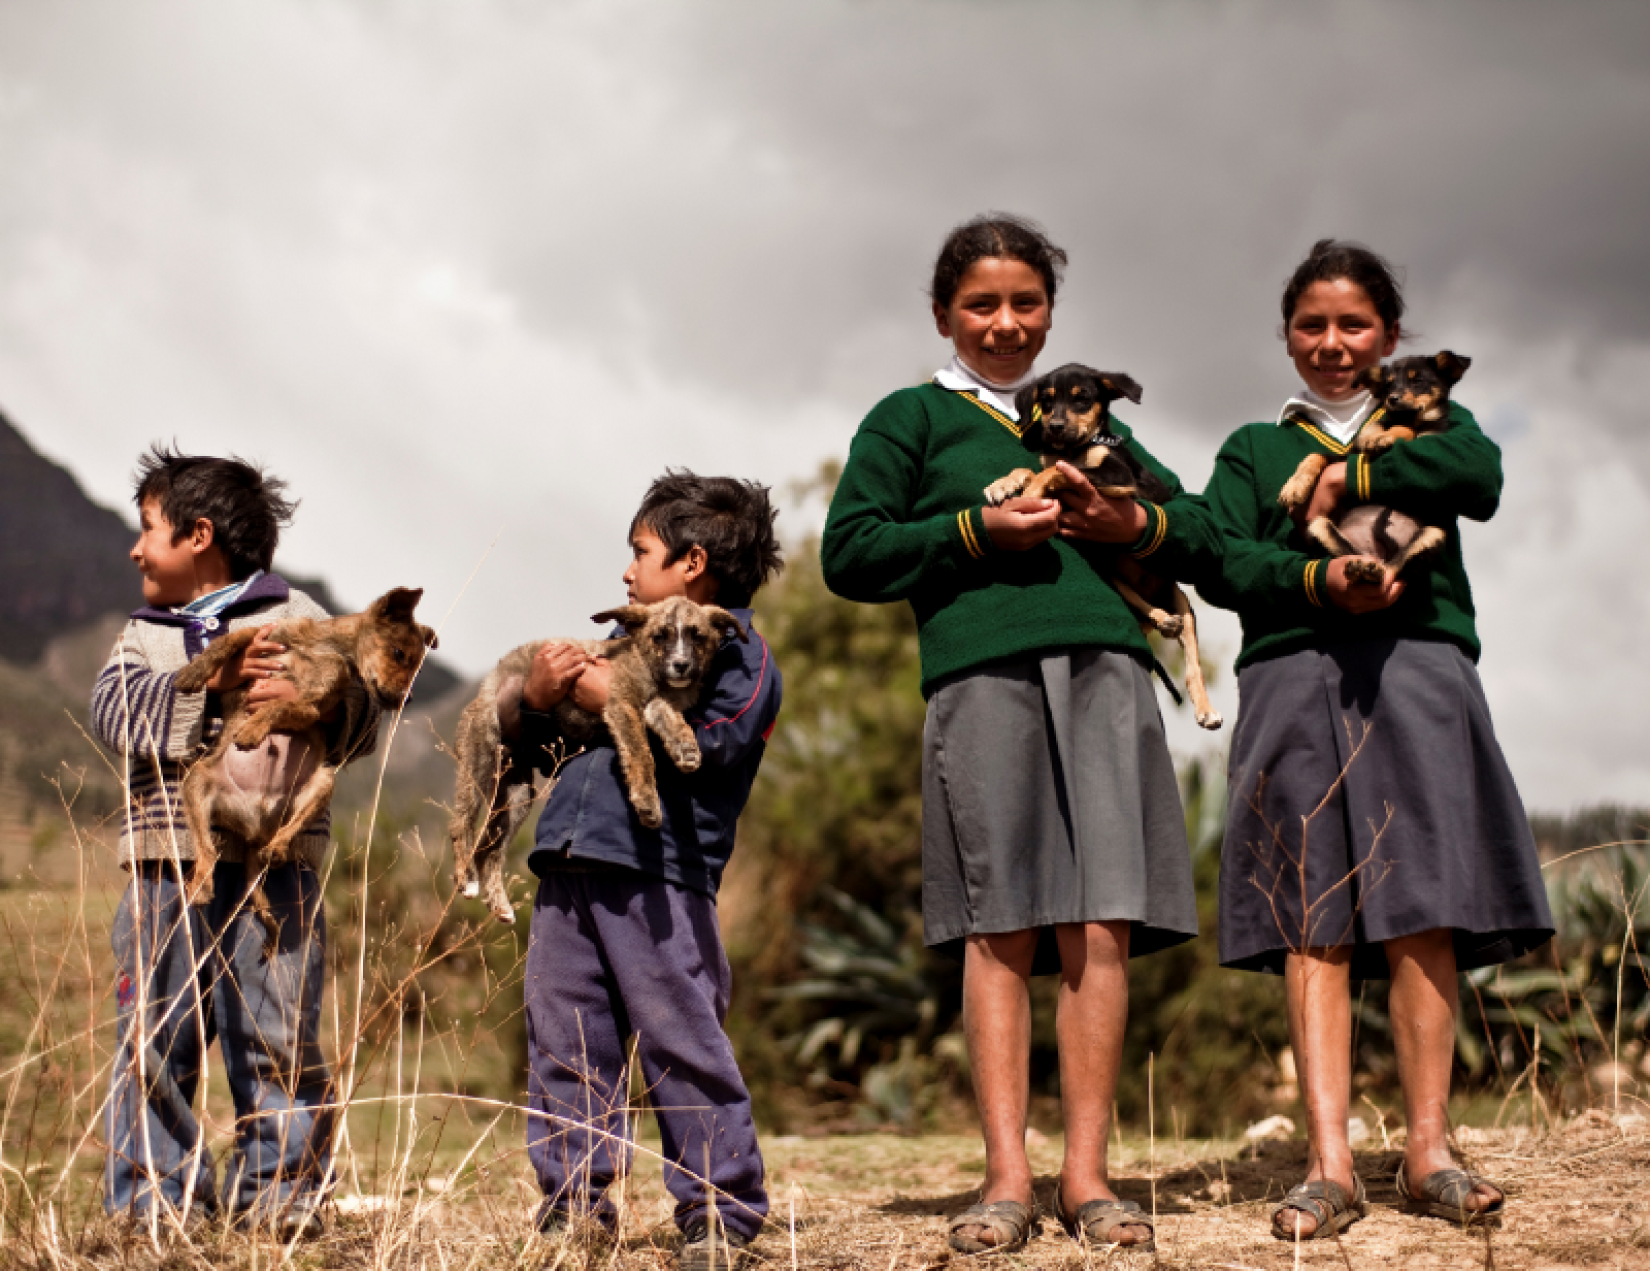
[{"x": 1579, "y": 1197}]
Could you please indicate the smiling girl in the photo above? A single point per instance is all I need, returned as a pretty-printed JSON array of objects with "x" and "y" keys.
[
  {"x": 1052, "y": 830},
  {"x": 1373, "y": 828}
]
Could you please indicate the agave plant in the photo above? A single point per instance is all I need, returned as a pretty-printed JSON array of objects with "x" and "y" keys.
[{"x": 875, "y": 999}]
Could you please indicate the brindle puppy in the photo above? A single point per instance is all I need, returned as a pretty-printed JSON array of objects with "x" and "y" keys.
[
  {"x": 383, "y": 646},
  {"x": 658, "y": 665},
  {"x": 1413, "y": 393},
  {"x": 1069, "y": 410}
]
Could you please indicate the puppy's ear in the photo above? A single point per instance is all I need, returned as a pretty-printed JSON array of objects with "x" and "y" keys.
[
  {"x": 430, "y": 640},
  {"x": 1119, "y": 385},
  {"x": 1025, "y": 403},
  {"x": 397, "y": 605},
  {"x": 1371, "y": 377},
  {"x": 1452, "y": 366},
  {"x": 724, "y": 622},
  {"x": 627, "y": 616}
]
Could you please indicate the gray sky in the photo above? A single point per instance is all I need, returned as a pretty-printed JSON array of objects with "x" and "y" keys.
[{"x": 470, "y": 275}]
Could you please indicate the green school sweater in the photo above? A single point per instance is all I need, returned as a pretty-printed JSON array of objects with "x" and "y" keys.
[
  {"x": 906, "y": 524},
  {"x": 1275, "y": 578}
]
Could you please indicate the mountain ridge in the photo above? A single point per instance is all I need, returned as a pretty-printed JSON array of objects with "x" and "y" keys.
[{"x": 64, "y": 561}]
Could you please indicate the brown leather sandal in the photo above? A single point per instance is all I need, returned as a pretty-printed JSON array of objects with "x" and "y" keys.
[
  {"x": 1095, "y": 1220},
  {"x": 1443, "y": 1194},
  {"x": 1325, "y": 1202},
  {"x": 1009, "y": 1220}
]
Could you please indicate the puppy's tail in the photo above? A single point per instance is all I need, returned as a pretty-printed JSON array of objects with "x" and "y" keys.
[{"x": 1162, "y": 673}]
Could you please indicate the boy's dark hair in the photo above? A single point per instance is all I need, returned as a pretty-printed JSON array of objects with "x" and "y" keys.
[
  {"x": 732, "y": 520},
  {"x": 246, "y": 505},
  {"x": 995, "y": 236},
  {"x": 1333, "y": 258}
]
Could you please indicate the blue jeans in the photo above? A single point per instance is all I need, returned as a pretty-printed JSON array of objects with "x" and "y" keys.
[{"x": 202, "y": 973}]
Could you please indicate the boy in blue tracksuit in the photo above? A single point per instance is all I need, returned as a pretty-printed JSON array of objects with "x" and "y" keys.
[{"x": 624, "y": 941}]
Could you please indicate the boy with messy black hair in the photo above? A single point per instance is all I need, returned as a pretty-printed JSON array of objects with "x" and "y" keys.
[
  {"x": 624, "y": 946},
  {"x": 209, "y": 529}
]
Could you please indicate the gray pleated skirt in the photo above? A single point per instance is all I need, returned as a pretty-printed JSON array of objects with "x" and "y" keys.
[
  {"x": 1048, "y": 796},
  {"x": 1411, "y": 818}
]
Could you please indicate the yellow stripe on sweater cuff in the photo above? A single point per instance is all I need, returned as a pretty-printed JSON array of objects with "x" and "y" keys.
[
  {"x": 1316, "y": 580},
  {"x": 1157, "y": 529},
  {"x": 1360, "y": 478},
  {"x": 972, "y": 534}
]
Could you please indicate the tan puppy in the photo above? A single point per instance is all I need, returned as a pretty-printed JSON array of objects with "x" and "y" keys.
[{"x": 267, "y": 803}]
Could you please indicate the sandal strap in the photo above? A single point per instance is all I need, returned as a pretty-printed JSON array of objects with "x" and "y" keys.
[
  {"x": 1006, "y": 1219},
  {"x": 1322, "y": 1199},
  {"x": 1447, "y": 1187},
  {"x": 1107, "y": 1214}
]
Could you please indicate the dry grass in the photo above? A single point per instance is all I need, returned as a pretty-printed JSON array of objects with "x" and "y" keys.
[
  {"x": 432, "y": 1171},
  {"x": 1578, "y": 1198}
]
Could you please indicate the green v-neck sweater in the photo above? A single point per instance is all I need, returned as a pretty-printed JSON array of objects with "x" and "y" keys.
[
  {"x": 906, "y": 524},
  {"x": 1276, "y": 579}
]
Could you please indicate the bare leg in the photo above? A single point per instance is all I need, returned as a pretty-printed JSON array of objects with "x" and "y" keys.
[
  {"x": 1094, "y": 1007},
  {"x": 1425, "y": 995},
  {"x": 997, "y": 1021},
  {"x": 1318, "y": 983}
]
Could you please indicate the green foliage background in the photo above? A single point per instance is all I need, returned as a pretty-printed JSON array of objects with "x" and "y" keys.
[{"x": 842, "y": 1014}]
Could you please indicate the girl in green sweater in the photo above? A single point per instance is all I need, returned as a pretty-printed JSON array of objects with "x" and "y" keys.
[
  {"x": 1373, "y": 826},
  {"x": 1053, "y": 837}
]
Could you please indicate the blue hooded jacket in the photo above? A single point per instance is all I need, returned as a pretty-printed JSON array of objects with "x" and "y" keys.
[{"x": 588, "y": 817}]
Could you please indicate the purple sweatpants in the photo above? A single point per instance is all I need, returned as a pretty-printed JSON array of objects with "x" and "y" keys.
[{"x": 616, "y": 954}]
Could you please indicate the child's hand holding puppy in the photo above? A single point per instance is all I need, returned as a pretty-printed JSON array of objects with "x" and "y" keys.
[
  {"x": 555, "y": 670},
  {"x": 260, "y": 663}
]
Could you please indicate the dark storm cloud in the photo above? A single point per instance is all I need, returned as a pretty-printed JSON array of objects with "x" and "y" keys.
[
  {"x": 1187, "y": 154},
  {"x": 471, "y": 274}
]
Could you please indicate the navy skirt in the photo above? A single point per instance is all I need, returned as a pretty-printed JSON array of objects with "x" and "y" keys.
[{"x": 1369, "y": 799}]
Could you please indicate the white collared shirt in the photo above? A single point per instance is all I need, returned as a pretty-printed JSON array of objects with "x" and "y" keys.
[
  {"x": 1341, "y": 420},
  {"x": 960, "y": 377}
]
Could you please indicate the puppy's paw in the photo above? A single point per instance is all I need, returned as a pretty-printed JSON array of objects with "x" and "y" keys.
[
  {"x": 1167, "y": 625},
  {"x": 1297, "y": 491},
  {"x": 1210, "y": 719},
  {"x": 1003, "y": 489},
  {"x": 685, "y": 755},
  {"x": 471, "y": 888},
  {"x": 649, "y": 811},
  {"x": 254, "y": 732},
  {"x": 1364, "y": 571}
]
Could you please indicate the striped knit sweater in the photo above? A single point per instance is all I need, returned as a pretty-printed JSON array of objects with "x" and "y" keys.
[{"x": 138, "y": 713}]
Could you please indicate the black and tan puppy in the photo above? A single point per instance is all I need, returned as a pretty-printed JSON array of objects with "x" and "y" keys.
[
  {"x": 1068, "y": 416},
  {"x": 658, "y": 665},
  {"x": 230, "y": 792},
  {"x": 1413, "y": 396}
]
